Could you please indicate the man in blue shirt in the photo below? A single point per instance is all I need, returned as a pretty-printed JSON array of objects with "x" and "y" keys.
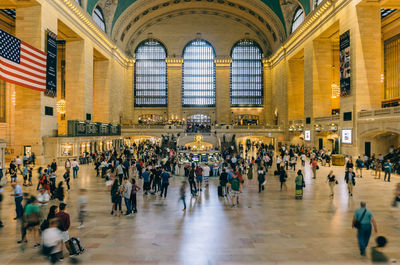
[
  {"x": 146, "y": 181},
  {"x": 387, "y": 166},
  {"x": 164, "y": 183},
  {"x": 18, "y": 200},
  {"x": 364, "y": 217}
]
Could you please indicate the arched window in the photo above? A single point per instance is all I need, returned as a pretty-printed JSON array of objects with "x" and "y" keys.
[
  {"x": 198, "y": 74},
  {"x": 246, "y": 74},
  {"x": 150, "y": 74},
  {"x": 78, "y": 2},
  {"x": 298, "y": 18},
  {"x": 98, "y": 17}
]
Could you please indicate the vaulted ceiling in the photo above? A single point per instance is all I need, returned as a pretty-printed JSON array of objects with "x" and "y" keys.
[{"x": 127, "y": 21}]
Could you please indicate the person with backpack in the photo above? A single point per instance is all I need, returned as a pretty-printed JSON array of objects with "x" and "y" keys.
[
  {"x": 223, "y": 180},
  {"x": 362, "y": 221}
]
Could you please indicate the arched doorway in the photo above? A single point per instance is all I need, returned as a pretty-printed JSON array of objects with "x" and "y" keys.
[{"x": 198, "y": 123}]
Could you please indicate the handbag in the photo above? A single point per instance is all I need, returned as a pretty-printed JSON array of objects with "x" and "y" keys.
[
  {"x": 337, "y": 182},
  {"x": 357, "y": 223},
  {"x": 317, "y": 167},
  {"x": 304, "y": 184}
]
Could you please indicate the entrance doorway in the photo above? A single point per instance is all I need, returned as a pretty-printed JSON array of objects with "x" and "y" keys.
[
  {"x": 320, "y": 143},
  {"x": 27, "y": 150},
  {"x": 367, "y": 149}
]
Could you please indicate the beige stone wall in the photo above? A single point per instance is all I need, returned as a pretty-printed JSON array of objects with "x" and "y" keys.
[{"x": 296, "y": 89}]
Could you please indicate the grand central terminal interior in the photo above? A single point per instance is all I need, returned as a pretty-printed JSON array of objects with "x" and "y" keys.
[{"x": 274, "y": 125}]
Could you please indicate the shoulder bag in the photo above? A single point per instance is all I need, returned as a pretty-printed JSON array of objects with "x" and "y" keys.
[{"x": 357, "y": 223}]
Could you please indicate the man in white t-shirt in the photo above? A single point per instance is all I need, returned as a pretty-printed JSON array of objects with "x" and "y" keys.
[
  {"x": 52, "y": 241},
  {"x": 206, "y": 174},
  {"x": 43, "y": 199}
]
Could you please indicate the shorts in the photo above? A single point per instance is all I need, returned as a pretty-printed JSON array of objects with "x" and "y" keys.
[
  {"x": 234, "y": 193},
  {"x": 206, "y": 179},
  {"x": 32, "y": 224},
  {"x": 199, "y": 179},
  {"x": 65, "y": 236}
]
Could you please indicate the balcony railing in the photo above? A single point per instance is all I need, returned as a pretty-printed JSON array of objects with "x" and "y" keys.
[
  {"x": 327, "y": 118},
  {"x": 86, "y": 128},
  {"x": 394, "y": 111}
]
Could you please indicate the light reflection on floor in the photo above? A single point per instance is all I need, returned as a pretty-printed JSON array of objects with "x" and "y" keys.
[{"x": 270, "y": 227}]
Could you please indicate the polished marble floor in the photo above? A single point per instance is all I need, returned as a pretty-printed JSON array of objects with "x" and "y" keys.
[{"x": 267, "y": 228}]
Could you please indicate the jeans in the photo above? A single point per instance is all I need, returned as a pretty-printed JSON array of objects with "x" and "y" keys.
[
  {"x": 260, "y": 186},
  {"x": 133, "y": 202},
  {"x": 215, "y": 172},
  {"x": 164, "y": 187},
  {"x": 363, "y": 235},
  {"x": 75, "y": 172},
  {"x": 192, "y": 187},
  {"x": 183, "y": 200},
  {"x": 128, "y": 205},
  {"x": 117, "y": 204},
  {"x": 387, "y": 173},
  {"x": 18, "y": 207}
]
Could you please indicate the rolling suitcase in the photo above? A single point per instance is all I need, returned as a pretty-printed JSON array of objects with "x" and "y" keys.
[{"x": 220, "y": 191}]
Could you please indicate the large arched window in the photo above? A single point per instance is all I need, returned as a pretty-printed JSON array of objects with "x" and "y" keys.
[
  {"x": 298, "y": 18},
  {"x": 98, "y": 17},
  {"x": 246, "y": 74},
  {"x": 198, "y": 74},
  {"x": 150, "y": 74},
  {"x": 78, "y": 2}
]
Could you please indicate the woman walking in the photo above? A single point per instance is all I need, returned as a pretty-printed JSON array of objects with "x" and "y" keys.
[
  {"x": 332, "y": 182},
  {"x": 60, "y": 192},
  {"x": 250, "y": 173},
  {"x": 116, "y": 198},
  {"x": 282, "y": 178},
  {"x": 261, "y": 179},
  {"x": 299, "y": 185}
]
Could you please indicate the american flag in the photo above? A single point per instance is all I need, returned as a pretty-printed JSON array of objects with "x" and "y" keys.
[{"x": 21, "y": 64}]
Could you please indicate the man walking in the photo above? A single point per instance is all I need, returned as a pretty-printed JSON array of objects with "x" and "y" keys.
[
  {"x": 362, "y": 221},
  {"x": 164, "y": 183},
  {"x": 18, "y": 200},
  {"x": 127, "y": 195},
  {"x": 387, "y": 166}
]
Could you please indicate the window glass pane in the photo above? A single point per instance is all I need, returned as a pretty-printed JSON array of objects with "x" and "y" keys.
[
  {"x": 2, "y": 101},
  {"x": 246, "y": 74},
  {"x": 198, "y": 75},
  {"x": 150, "y": 74},
  {"x": 298, "y": 18},
  {"x": 99, "y": 18}
]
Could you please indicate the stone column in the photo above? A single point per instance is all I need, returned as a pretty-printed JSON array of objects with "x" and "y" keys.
[
  {"x": 31, "y": 123},
  {"x": 101, "y": 88},
  {"x": 128, "y": 99},
  {"x": 174, "y": 73},
  {"x": 322, "y": 77},
  {"x": 222, "y": 77},
  {"x": 296, "y": 89},
  {"x": 308, "y": 90},
  {"x": 364, "y": 22},
  {"x": 78, "y": 80},
  {"x": 268, "y": 111}
]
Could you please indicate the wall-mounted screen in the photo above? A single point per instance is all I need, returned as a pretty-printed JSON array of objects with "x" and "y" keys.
[{"x": 346, "y": 136}]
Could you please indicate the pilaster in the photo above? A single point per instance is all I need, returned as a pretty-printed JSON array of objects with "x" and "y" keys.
[
  {"x": 174, "y": 70},
  {"x": 222, "y": 77}
]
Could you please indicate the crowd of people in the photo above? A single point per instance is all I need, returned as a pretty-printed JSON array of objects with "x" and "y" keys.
[{"x": 153, "y": 167}]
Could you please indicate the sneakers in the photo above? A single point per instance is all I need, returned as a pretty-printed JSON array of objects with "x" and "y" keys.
[
  {"x": 81, "y": 226},
  {"x": 36, "y": 246}
]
